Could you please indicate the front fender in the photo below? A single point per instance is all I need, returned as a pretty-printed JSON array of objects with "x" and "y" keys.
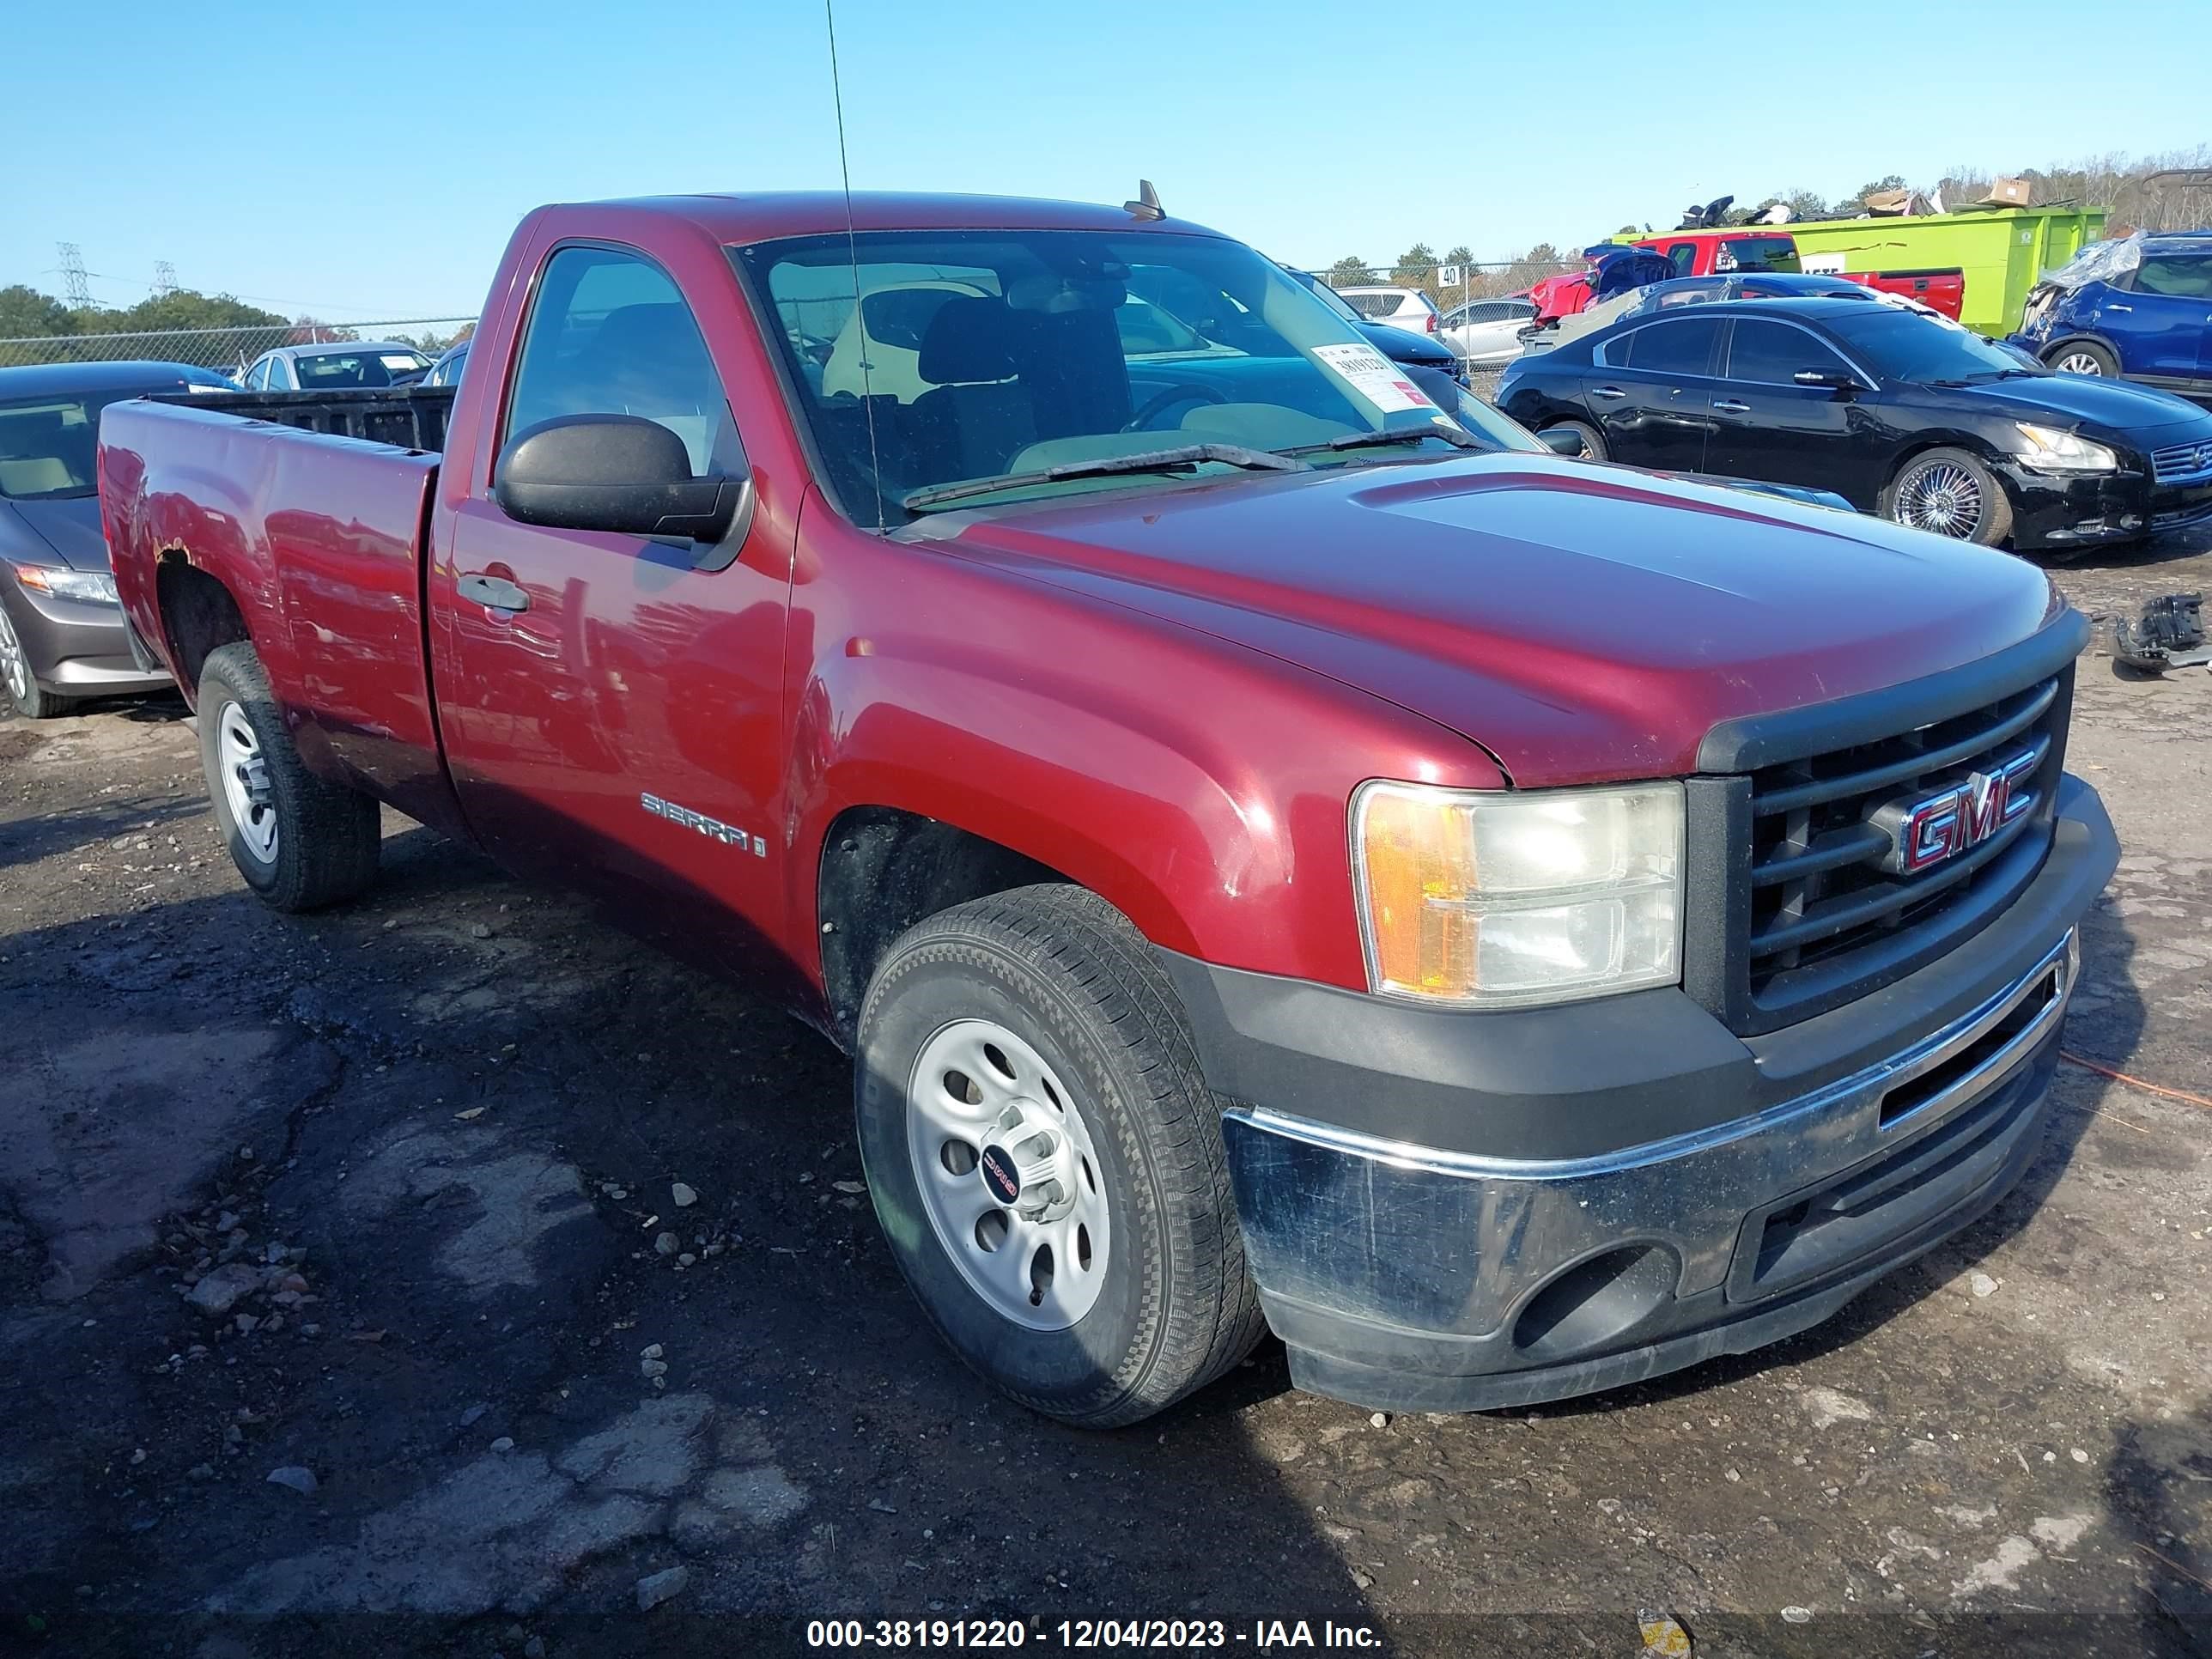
[{"x": 1200, "y": 788}]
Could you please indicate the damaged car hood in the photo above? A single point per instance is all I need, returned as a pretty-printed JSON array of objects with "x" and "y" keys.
[{"x": 1580, "y": 623}]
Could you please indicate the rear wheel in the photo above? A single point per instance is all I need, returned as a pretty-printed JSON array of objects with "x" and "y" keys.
[
  {"x": 1593, "y": 441},
  {"x": 1046, "y": 1158},
  {"x": 301, "y": 842},
  {"x": 20, "y": 681},
  {"x": 1948, "y": 492},
  {"x": 2083, "y": 357}
]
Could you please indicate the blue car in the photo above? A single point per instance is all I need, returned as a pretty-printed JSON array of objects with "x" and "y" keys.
[{"x": 2146, "y": 319}]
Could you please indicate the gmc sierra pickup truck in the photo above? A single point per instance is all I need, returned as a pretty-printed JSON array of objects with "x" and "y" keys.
[{"x": 1508, "y": 926}]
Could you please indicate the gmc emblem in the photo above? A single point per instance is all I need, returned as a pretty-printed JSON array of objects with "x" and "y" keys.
[{"x": 1923, "y": 831}]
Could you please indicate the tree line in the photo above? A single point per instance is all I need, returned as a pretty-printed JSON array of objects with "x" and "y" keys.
[{"x": 213, "y": 330}]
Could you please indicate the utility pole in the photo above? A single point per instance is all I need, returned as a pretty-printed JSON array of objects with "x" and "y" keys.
[
  {"x": 165, "y": 279},
  {"x": 73, "y": 283}
]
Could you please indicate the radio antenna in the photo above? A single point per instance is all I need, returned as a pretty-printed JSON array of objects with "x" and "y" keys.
[{"x": 852, "y": 254}]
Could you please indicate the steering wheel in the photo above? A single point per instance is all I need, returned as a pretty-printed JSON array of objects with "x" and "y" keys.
[{"x": 1160, "y": 403}]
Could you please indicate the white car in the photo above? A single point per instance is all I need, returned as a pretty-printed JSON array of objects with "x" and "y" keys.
[
  {"x": 1486, "y": 332},
  {"x": 1400, "y": 308}
]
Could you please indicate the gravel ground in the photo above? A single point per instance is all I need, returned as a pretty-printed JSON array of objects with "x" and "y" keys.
[{"x": 351, "y": 1303}]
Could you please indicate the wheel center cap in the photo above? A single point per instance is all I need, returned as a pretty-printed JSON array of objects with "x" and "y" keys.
[
  {"x": 1000, "y": 1175},
  {"x": 1028, "y": 1164}
]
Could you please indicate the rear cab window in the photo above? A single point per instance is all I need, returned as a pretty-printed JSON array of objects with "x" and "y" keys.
[{"x": 1756, "y": 253}]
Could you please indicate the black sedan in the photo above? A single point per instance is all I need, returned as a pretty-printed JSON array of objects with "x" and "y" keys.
[{"x": 1904, "y": 414}]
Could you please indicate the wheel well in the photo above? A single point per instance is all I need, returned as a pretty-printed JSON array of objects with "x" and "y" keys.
[
  {"x": 197, "y": 614},
  {"x": 884, "y": 870},
  {"x": 2058, "y": 347}
]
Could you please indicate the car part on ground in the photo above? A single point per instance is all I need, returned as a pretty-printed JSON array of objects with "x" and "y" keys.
[{"x": 2168, "y": 634}]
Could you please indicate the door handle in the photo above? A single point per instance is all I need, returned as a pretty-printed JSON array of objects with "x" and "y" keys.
[
  {"x": 1608, "y": 391},
  {"x": 2120, "y": 307},
  {"x": 494, "y": 593},
  {"x": 1729, "y": 406}
]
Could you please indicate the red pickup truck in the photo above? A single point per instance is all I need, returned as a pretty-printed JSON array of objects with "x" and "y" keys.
[{"x": 1511, "y": 927}]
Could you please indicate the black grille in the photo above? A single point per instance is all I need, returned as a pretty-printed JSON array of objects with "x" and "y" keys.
[
  {"x": 1819, "y": 888},
  {"x": 1797, "y": 899},
  {"x": 2190, "y": 463}
]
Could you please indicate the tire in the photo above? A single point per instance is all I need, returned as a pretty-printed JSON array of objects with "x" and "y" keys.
[
  {"x": 2083, "y": 357},
  {"x": 1593, "y": 440},
  {"x": 301, "y": 842},
  {"x": 19, "y": 680},
  {"x": 1948, "y": 492},
  {"x": 1093, "y": 1049}
]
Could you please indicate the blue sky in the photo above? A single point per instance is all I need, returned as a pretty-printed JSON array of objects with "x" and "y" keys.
[{"x": 368, "y": 161}]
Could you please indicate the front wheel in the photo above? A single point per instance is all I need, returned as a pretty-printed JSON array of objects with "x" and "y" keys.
[
  {"x": 2084, "y": 357},
  {"x": 1948, "y": 492},
  {"x": 301, "y": 842},
  {"x": 1046, "y": 1158},
  {"x": 18, "y": 681}
]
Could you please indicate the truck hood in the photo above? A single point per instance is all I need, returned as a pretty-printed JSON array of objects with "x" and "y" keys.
[
  {"x": 2129, "y": 412},
  {"x": 70, "y": 527},
  {"x": 1580, "y": 623}
]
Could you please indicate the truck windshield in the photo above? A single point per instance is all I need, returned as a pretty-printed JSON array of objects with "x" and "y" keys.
[
  {"x": 48, "y": 446},
  {"x": 927, "y": 358}
]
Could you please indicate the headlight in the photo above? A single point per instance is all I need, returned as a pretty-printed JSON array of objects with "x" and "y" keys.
[
  {"x": 86, "y": 586},
  {"x": 2049, "y": 450},
  {"x": 1496, "y": 899}
]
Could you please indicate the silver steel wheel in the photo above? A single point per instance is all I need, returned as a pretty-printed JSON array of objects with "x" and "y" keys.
[
  {"x": 245, "y": 790},
  {"x": 15, "y": 662},
  {"x": 1941, "y": 496},
  {"x": 2079, "y": 362},
  {"x": 1005, "y": 1167}
]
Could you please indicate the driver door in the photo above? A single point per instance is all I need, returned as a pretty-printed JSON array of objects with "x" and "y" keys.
[{"x": 611, "y": 702}]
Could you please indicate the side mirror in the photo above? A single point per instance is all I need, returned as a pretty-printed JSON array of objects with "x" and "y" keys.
[
  {"x": 1561, "y": 441},
  {"x": 613, "y": 472},
  {"x": 1834, "y": 379}
]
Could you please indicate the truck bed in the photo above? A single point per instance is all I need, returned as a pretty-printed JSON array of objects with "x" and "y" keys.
[
  {"x": 406, "y": 416},
  {"x": 317, "y": 534}
]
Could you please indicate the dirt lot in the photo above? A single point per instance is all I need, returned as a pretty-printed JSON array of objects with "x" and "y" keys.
[{"x": 438, "y": 1136}]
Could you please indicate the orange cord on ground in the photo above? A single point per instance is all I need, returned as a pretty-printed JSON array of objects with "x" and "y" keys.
[{"x": 2135, "y": 1082}]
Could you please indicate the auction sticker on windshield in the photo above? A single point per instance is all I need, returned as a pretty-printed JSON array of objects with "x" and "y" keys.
[{"x": 1373, "y": 376}]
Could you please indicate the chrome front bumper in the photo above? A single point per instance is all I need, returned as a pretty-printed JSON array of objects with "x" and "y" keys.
[{"x": 1403, "y": 1276}]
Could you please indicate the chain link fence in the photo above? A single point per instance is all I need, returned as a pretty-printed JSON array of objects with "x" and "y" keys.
[{"x": 225, "y": 350}]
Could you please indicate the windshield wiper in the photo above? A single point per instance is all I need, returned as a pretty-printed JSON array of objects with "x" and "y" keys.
[
  {"x": 1451, "y": 435},
  {"x": 1150, "y": 460},
  {"x": 1984, "y": 380}
]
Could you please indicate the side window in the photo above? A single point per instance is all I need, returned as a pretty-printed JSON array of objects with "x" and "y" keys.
[
  {"x": 1682, "y": 346},
  {"x": 1774, "y": 353},
  {"x": 1683, "y": 256},
  {"x": 2184, "y": 275},
  {"x": 257, "y": 377},
  {"x": 610, "y": 334},
  {"x": 279, "y": 379}
]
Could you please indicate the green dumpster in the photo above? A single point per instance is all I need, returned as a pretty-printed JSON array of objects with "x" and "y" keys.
[{"x": 2002, "y": 249}]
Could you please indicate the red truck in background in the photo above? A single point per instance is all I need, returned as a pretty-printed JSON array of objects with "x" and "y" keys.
[
  {"x": 1754, "y": 249},
  {"x": 1511, "y": 927}
]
